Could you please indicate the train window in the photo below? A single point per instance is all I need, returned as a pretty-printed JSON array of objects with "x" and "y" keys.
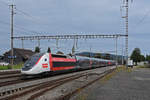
[
  {"x": 59, "y": 56},
  {"x": 32, "y": 61}
]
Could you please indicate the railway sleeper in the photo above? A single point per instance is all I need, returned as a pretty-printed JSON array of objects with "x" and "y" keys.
[{"x": 10, "y": 92}]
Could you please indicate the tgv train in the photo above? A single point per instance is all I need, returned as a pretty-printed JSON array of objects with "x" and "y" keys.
[{"x": 41, "y": 63}]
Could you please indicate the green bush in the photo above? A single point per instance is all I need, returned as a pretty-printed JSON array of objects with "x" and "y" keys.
[
  {"x": 18, "y": 66},
  {"x": 3, "y": 67},
  {"x": 9, "y": 67}
]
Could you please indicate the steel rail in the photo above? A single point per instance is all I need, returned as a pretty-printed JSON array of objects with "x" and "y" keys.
[
  {"x": 69, "y": 95},
  {"x": 40, "y": 86}
]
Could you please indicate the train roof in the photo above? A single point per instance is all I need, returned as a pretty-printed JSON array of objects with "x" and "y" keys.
[
  {"x": 70, "y": 56},
  {"x": 95, "y": 58}
]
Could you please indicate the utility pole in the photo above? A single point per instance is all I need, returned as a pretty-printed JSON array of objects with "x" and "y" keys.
[
  {"x": 122, "y": 55},
  {"x": 22, "y": 43},
  {"x": 57, "y": 44},
  {"x": 90, "y": 51},
  {"x": 126, "y": 5},
  {"x": 39, "y": 43},
  {"x": 74, "y": 46},
  {"x": 116, "y": 52},
  {"x": 127, "y": 8},
  {"x": 12, "y": 31}
]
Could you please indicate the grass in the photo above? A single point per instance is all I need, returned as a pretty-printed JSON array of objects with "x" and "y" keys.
[
  {"x": 4, "y": 67},
  {"x": 18, "y": 66},
  {"x": 143, "y": 66},
  {"x": 82, "y": 96},
  {"x": 109, "y": 76},
  {"x": 118, "y": 69}
]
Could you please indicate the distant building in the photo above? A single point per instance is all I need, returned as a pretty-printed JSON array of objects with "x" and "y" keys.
[
  {"x": 3, "y": 63},
  {"x": 142, "y": 63},
  {"x": 130, "y": 62},
  {"x": 20, "y": 55}
]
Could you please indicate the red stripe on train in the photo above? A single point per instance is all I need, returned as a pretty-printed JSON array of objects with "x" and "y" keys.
[
  {"x": 109, "y": 63},
  {"x": 63, "y": 59},
  {"x": 62, "y": 68},
  {"x": 50, "y": 62}
]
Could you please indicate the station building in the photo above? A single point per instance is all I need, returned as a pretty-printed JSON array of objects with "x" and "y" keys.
[{"x": 20, "y": 55}]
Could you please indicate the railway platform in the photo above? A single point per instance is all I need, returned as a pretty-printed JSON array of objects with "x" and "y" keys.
[{"x": 123, "y": 85}]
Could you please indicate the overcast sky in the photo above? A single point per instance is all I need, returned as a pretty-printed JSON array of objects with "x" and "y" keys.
[{"x": 51, "y": 17}]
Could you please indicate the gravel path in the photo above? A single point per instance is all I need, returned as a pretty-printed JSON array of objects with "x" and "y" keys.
[{"x": 124, "y": 85}]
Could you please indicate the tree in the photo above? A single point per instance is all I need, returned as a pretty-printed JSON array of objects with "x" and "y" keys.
[
  {"x": 147, "y": 58},
  {"x": 107, "y": 56},
  {"x": 37, "y": 50},
  {"x": 59, "y": 52},
  {"x": 142, "y": 58},
  {"x": 98, "y": 55},
  {"x": 49, "y": 50},
  {"x": 136, "y": 55}
]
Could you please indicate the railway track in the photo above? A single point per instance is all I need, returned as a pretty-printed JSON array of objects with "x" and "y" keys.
[
  {"x": 72, "y": 93},
  {"x": 34, "y": 91},
  {"x": 9, "y": 72},
  {"x": 11, "y": 82},
  {"x": 68, "y": 95},
  {"x": 7, "y": 76},
  {"x": 45, "y": 86},
  {"x": 15, "y": 80},
  {"x": 10, "y": 76}
]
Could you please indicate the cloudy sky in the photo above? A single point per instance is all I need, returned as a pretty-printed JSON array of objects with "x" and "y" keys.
[{"x": 51, "y": 17}]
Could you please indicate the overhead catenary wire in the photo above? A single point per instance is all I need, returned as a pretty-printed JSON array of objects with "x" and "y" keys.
[
  {"x": 3, "y": 2},
  {"x": 31, "y": 17},
  {"x": 142, "y": 19},
  {"x": 34, "y": 19},
  {"x": 28, "y": 16},
  {"x": 17, "y": 27},
  {"x": 24, "y": 13}
]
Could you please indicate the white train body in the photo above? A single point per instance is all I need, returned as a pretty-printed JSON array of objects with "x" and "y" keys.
[{"x": 38, "y": 66}]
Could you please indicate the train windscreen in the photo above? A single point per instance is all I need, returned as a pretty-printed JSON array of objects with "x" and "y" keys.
[{"x": 32, "y": 61}]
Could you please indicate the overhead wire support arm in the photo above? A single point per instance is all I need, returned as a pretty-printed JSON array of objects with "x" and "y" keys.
[{"x": 70, "y": 36}]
